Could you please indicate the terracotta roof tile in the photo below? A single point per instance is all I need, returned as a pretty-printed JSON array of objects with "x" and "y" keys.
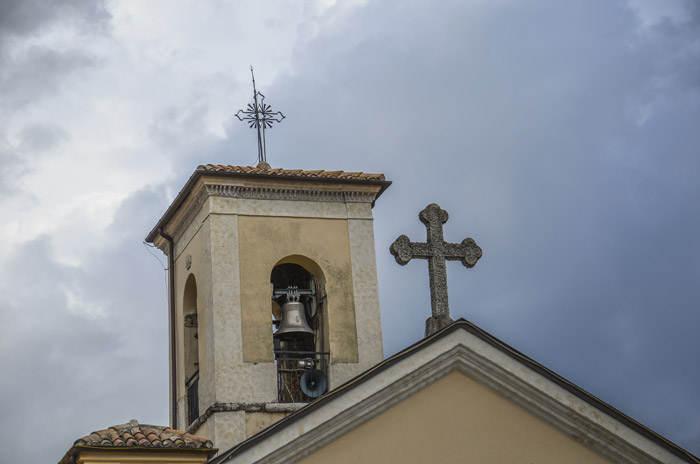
[
  {"x": 135, "y": 435},
  {"x": 141, "y": 435},
  {"x": 321, "y": 174}
]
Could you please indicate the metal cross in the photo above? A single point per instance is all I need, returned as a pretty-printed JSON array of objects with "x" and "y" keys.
[
  {"x": 259, "y": 116},
  {"x": 436, "y": 251}
]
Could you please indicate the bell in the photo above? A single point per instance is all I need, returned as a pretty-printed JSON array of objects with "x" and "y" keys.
[{"x": 293, "y": 325}]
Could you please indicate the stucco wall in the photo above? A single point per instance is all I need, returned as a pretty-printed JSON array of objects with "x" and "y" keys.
[
  {"x": 455, "y": 420},
  {"x": 256, "y": 421},
  {"x": 195, "y": 248},
  {"x": 264, "y": 242}
]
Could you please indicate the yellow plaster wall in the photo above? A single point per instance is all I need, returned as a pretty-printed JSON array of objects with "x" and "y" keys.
[
  {"x": 140, "y": 457},
  {"x": 264, "y": 241},
  {"x": 455, "y": 420}
]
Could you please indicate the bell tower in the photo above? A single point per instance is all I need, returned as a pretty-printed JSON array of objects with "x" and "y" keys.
[{"x": 273, "y": 293}]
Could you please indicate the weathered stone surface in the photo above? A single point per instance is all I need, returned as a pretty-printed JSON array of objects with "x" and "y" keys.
[{"x": 436, "y": 251}]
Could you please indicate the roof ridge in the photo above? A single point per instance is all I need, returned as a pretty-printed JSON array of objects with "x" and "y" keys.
[
  {"x": 143, "y": 435},
  {"x": 473, "y": 329},
  {"x": 281, "y": 172}
]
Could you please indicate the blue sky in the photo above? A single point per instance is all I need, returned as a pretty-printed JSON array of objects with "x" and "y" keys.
[{"x": 561, "y": 136}]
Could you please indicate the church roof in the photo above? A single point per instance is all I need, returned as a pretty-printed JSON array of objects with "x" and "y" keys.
[
  {"x": 138, "y": 436},
  {"x": 279, "y": 172},
  {"x": 589, "y": 423}
]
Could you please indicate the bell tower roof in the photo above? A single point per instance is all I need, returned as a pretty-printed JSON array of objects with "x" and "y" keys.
[
  {"x": 304, "y": 179},
  {"x": 279, "y": 172}
]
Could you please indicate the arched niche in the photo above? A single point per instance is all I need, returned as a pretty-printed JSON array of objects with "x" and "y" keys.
[
  {"x": 191, "y": 328},
  {"x": 291, "y": 354},
  {"x": 298, "y": 271}
]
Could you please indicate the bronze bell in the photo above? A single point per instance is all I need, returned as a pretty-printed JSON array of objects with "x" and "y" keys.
[{"x": 293, "y": 325}]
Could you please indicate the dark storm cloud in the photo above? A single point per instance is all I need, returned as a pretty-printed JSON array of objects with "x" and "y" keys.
[
  {"x": 562, "y": 138},
  {"x": 26, "y": 74},
  {"x": 37, "y": 73},
  {"x": 35, "y": 140},
  {"x": 24, "y": 17},
  {"x": 26, "y": 78},
  {"x": 76, "y": 345},
  {"x": 29, "y": 74},
  {"x": 44, "y": 344}
]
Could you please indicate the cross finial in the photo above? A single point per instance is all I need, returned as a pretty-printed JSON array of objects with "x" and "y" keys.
[
  {"x": 259, "y": 116},
  {"x": 436, "y": 251}
]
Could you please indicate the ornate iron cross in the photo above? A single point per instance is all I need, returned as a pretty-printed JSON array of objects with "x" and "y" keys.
[
  {"x": 436, "y": 251},
  {"x": 259, "y": 115}
]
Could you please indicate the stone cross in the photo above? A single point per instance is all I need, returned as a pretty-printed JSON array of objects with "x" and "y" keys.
[{"x": 436, "y": 251}]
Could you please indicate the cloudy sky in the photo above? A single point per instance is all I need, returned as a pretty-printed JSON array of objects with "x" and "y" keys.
[{"x": 562, "y": 136}]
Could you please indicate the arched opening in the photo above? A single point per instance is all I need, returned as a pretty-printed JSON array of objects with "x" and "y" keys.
[
  {"x": 299, "y": 329},
  {"x": 191, "y": 346}
]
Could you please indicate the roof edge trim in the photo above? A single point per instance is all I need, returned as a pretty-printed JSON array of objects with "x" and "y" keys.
[
  {"x": 463, "y": 324},
  {"x": 184, "y": 194}
]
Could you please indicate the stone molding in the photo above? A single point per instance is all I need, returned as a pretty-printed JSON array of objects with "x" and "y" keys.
[
  {"x": 292, "y": 194},
  {"x": 565, "y": 417},
  {"x": 245, "y": 407},
  {"x": 181, "y": 223}
]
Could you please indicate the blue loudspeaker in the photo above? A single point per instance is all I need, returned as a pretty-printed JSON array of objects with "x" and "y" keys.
[{"x": 314, "y": 383}]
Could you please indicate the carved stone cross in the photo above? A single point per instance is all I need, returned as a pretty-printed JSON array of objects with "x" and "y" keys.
[{"x": 436, "y": 251}]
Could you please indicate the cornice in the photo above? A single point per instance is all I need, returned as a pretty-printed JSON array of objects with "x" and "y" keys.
[
  {"x": 297, "y": 188},
  {"x": 181, "y": 223},
  {"x": 291, "y": 194},
  {"x": 204, "y": 191}
]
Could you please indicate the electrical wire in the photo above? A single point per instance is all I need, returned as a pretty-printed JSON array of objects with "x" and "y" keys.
[{"x": 147, "y": 245}]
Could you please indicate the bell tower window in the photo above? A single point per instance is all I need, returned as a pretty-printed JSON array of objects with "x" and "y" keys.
[
  {"x": 191, "y": 346},
  {"x": 298, "y": 320}
]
